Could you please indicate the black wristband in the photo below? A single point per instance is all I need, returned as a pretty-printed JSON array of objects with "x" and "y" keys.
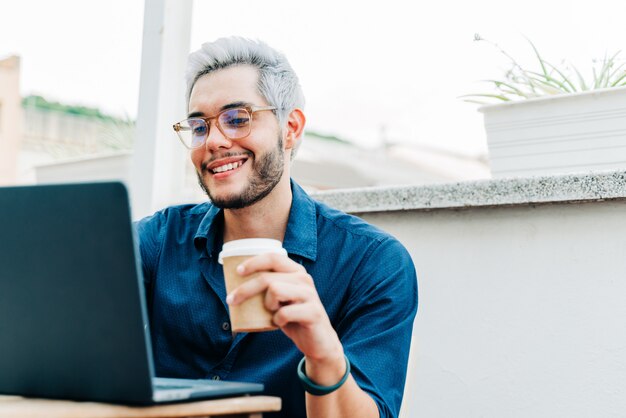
[{"x": 315, "y": 389}]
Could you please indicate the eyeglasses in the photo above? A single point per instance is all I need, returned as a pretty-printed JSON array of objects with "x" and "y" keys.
[{"x": 233, "y": 123}]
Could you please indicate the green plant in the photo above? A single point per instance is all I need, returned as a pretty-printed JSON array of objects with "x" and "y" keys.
[{"x": 521, "y": 83}]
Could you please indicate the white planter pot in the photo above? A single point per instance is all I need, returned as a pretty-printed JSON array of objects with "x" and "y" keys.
[{"x": 566, "y": 133}]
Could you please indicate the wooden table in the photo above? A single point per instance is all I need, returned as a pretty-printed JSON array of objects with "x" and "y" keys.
[{"x": 245, "y": 406}]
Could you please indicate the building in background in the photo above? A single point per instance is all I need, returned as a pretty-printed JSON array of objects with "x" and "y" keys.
[
  {"x": 56, "y": 134},
  {"x": 326, "y": 162},
  {"x": 64, "y": 131}
]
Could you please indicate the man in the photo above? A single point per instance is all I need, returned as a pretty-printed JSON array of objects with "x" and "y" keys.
[{"x": 344, "y": 299}]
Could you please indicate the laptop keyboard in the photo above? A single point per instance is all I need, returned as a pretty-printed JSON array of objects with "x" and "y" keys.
[
  {"x": 166, "y": 389},
  {"x": 161, "y": 383}
]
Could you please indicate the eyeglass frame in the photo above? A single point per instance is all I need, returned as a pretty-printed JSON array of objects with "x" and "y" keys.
[{"x": 251, "y": 109}]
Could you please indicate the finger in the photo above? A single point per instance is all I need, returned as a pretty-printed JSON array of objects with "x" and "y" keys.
[
  {"x": 302, "y": 313},
  {"x": 280, "y": 293},
  {"x": 254, "y": 286},
  {"x": 268, "y": 262}
]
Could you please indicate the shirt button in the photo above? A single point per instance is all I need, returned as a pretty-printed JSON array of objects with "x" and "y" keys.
[
  {"x": 225, "y": 326},
  {"x": 216, "y": 377}
]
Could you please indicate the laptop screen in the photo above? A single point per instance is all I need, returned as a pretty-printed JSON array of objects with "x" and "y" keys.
[{"x": 72, "y": 318}]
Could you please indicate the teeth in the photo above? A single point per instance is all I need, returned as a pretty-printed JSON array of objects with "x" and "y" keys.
[{"x": 227, "y": 167}]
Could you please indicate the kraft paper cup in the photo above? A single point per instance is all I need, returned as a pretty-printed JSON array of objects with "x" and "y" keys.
[{"x": 251, "y": 315}]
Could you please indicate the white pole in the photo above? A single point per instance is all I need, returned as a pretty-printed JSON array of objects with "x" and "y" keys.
[
  {"x": 158, "y": 165},
  {"x": 11, "y": 118}
]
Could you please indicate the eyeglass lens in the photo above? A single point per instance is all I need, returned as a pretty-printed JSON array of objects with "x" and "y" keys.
[{"x": 233, "y": 123}]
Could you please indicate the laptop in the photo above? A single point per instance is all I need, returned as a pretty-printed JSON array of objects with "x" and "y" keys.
[{"x": 73, "y": 319}]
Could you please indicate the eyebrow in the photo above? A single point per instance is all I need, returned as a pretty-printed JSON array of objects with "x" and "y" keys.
[{"x": 232, "y": 105}]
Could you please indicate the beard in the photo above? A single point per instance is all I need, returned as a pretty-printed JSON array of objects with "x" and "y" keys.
[{"x": 267, "y": 171}]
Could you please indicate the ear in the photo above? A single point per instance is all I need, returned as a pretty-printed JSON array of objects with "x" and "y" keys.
[{"x": 294, "y": 128}]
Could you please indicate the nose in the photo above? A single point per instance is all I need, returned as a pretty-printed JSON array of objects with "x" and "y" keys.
[{"x": 216, "y": 139}]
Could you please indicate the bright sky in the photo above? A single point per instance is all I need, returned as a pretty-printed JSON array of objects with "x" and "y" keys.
[{"x": 366, "y": 67}]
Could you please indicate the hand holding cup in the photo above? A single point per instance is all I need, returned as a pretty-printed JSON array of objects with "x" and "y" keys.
[{"x": 251, "y": 315}]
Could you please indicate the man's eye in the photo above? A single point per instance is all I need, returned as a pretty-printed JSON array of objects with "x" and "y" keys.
[
  {"x": 199, "y": 129},
  {"x": 237, "y": 122}
]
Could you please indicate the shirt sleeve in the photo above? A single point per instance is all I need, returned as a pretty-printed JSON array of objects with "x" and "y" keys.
[{"x": 377, "y": 323}]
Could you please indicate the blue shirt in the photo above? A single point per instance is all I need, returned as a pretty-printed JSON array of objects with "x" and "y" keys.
[{"x": 365, "y": 279}]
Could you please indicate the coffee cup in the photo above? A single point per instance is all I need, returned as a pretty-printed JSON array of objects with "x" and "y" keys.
[{"x": 251, "y": 315}]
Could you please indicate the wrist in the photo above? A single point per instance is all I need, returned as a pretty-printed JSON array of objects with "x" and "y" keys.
[
  {"x": 317, "y": 389},
  {"x": 326, "y": 370}
]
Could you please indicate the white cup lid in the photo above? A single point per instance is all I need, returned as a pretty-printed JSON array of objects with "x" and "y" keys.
[{"x": 251, "y": 246}]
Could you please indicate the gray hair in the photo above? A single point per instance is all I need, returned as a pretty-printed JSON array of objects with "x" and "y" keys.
[{"x": 278, "y": 82}]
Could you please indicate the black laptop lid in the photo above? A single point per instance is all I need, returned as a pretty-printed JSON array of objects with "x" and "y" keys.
[{"x": 71, "y": 317}]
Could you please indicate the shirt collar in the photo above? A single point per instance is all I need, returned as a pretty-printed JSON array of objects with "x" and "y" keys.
[
  {"x": 210, "y": 231},
  {"x": 300, "y": 237},
  {"x": 301, "y": 234}
]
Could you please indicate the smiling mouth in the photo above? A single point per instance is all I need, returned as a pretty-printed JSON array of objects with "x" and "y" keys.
[{"x": 227, "y": 167}]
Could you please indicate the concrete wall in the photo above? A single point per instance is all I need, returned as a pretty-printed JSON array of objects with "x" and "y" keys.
[
  {"x": 522, "y": 310},
  {"x": 113, "y": 167},
  {"x": 10, "y": 118},
  {"x": 522, "y": 284}
]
